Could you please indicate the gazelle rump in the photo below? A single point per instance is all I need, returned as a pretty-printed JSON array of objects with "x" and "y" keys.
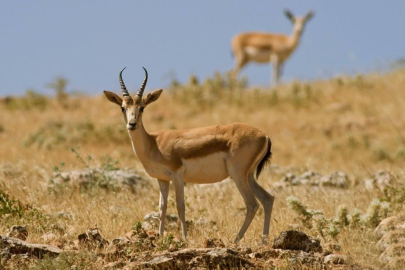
[
  {"x": 267, "y": 47},
  {"x": 200, "y": 155}
]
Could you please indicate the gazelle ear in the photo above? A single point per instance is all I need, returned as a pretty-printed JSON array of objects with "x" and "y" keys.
[
  {"x": 289, "y": 15},
  {"x": 113, "y": 97},
  {"x": 309, "y": 15},
  {"x": 151, "y": 97}
]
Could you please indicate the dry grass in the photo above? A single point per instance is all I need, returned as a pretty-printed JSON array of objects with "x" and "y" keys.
[{"x": 353, "y": 124}]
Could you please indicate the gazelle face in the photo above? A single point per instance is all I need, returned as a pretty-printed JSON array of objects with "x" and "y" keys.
[
  {"x": 132, "y": 107},
  {"x": 299, "y": 22}
]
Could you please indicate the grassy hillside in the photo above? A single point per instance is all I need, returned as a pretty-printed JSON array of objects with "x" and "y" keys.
[{"x": 350, "y": 124}]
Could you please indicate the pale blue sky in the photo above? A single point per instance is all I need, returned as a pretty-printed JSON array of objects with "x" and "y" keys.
[{"x": 89, "y": 42}]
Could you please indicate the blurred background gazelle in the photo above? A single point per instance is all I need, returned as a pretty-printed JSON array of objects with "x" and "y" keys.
[{"x": 263, "y": 47}]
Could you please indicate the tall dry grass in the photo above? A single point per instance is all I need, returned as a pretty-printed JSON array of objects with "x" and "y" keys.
[{"x": 353, "y": 124}]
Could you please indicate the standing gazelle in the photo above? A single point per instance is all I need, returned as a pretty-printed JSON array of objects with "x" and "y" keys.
[
  {"x": 265, "y": 47},
  {"x": 201, "y": 155}
]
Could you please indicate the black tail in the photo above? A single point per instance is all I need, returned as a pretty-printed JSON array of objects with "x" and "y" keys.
[{"x": 265, "y": 159}]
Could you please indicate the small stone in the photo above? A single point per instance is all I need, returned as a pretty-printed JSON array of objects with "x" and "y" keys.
[
  {"x": 172, "y": 248},
  {"x": 65, "y": 215},
  {"x": 92, "y": 238},
  {"x": 336, "y": 258},
  {"x": 151, "y": 221},
  {"x": 19, "y": 232},
  {"x": 49, "y": 237},
  {"x": 214, "y": 242},
  {"x": 121, "y": 241},
  {"x": 330, "y": 248},
  {"x": 296, "y": 240}
]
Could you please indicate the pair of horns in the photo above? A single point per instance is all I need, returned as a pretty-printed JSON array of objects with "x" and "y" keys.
[{"x": 140, "y": 90}]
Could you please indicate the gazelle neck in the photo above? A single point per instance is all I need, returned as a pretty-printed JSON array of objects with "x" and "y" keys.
[
  {"x": 295, "y": 38},
  {"x": 142, "y": 141}
]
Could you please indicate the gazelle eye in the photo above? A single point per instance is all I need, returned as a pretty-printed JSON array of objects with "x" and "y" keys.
[{"x": 123, "y": 109}]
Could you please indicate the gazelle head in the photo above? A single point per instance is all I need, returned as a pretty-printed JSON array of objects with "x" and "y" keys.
[
  {"x": 132, "y": 107},
  {"x": 299, "y": 22}
]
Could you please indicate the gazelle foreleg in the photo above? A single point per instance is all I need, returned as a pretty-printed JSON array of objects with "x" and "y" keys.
[
  {"x": 266, "y": 200},
  {"x": 178, "y": 184},
  {"x": 164, "y": 192}
]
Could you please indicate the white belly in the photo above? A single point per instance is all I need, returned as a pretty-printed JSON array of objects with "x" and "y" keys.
[
  {"x": 258, "y": 55},
  {"x": 208, "y": 169}
]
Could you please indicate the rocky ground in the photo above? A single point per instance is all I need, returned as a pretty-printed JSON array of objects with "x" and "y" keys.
[
  {"x": 141, "y": 248},
  {"x": 291, "y": 249}
]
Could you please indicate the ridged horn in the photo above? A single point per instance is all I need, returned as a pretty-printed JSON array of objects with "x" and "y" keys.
[
  {"x": 123, "y": 88},
  {"x": 142, "y": 88}
]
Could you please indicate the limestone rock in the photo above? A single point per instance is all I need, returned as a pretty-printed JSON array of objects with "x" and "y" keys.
[
  {"x": 161, "y": 262},
  {"x": 85, "y": 178},
  {"x": 17, "y": 246},
  {"x": 389, "y": 224},
  {"x": 391, "y": 232},
  {"x": 396, "y": 263},
  {"x": 381, "y": 180},
  {"x": 391, "y": 237},
  {"x": 392, "y": 252},
  {"x": 336, "y": 179}
]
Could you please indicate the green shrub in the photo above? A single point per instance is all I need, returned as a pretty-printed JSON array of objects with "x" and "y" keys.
[
  {"x": 31, "y": 100},
  {"x": 316, "y": 221},
  {"x": 54, "y": 134}
]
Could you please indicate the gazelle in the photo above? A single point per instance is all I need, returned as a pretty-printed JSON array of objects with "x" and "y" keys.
[
  {"x": 200, "y": 155},
  {"x": 265, "y": 47}
]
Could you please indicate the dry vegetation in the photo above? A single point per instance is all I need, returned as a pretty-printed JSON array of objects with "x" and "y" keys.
[{"x": 352, "y": 124}]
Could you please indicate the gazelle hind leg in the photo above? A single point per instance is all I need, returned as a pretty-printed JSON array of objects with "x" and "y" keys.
[
  {"x": 178, "y": 184},
  {"x": 252, "y": 205},
  {"x": 164, "y": 192},
  {"x": 266, "y": 199}
]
